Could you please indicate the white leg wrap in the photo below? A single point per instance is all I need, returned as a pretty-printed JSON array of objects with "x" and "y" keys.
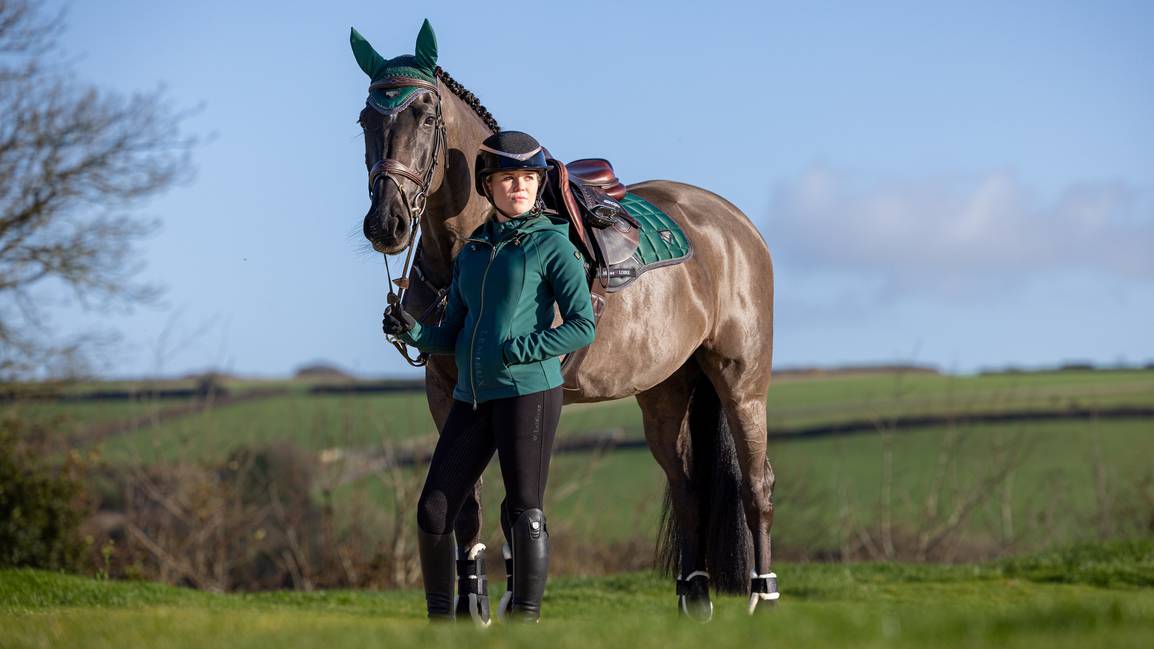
[
  {"x": 476, "y": 551},
  {"x": 755, "y": 598}
]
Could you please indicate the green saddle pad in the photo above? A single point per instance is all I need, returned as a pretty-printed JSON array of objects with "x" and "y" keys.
[{"x": 662, "y": 240}]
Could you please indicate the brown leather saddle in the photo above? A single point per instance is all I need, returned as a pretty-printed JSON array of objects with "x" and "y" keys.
[{"x": 586, "y": 192}]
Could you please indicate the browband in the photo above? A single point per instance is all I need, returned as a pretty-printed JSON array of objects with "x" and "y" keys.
[{"x": 401, "y": 82}]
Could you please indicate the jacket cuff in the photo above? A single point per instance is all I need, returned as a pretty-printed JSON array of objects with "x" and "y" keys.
[{"x": 412, "y": 335}]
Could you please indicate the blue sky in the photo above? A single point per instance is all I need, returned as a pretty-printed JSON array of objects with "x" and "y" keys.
[{"x": 964, "y": 184}]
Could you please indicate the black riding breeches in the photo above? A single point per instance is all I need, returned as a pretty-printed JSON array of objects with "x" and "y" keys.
[{"x": 520, "y": 429}]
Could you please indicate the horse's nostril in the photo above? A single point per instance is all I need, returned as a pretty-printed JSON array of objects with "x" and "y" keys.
[{"x": 398, "y": 226}]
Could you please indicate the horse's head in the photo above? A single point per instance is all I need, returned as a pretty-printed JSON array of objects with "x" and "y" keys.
[{"x": 404, "y": 137}]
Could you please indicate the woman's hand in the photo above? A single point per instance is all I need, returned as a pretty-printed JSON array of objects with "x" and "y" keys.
[{"x": 396, "y": 320}]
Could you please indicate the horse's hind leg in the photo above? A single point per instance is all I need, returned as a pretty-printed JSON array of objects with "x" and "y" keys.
[
  {"x": 665, "y": 416},
  {"x": 742, "y": 381}
]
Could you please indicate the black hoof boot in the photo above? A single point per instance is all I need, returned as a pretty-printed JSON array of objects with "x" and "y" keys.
[
  {"x": 472, "y": 586},
  {"x": 437, "y": 557},
  {"x": 762, "y": 590},
  {"x": 530, "y": 565},
  {"x": 693, "y": 596}
]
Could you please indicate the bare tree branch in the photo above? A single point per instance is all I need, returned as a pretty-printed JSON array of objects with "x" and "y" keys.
[{"x": 75, "y": 162}]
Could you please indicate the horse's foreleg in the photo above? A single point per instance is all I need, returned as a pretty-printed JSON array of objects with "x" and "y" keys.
[{"x": 664, "y": 410}]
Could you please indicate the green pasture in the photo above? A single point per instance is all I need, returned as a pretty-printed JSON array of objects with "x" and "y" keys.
[
  {"x": 1072, "y": 480},
  {"x": 810, "y": 401},
  {"x": 318, "y": 422},
  {"x": 73, "y": 419},
  {"x": 1089, "y": 596},
  {"x": 1064, "y": 482}
]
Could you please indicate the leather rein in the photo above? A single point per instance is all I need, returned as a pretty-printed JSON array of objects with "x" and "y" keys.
[{"x": 391, "y": 170}]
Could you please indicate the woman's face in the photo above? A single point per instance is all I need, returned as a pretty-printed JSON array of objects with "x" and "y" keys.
[{"x": 514, "y": 192}]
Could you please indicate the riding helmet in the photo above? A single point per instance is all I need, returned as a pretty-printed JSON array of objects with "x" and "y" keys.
[{"x": 506, "y": 151}]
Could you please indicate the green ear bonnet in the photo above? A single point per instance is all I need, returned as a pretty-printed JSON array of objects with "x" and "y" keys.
[{"x": 421, "y": 66}]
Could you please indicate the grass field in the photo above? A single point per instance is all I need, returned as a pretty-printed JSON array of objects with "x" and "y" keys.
[
  {"x": 317, "y": 422},
  {"x": 865, "y": 495},
  {"x": 1088, "y": 596},
  {"x": 1064, "y": 482},
  {"x": 1073, "y": 478}
]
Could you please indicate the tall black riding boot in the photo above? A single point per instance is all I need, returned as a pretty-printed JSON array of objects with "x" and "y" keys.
[
  {"x": 530, "y": 565},
  {"x": 437, "y": 560},
  {"x": 472, "y": 585}
]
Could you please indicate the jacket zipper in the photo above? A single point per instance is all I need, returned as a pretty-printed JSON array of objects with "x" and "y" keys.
[{"x": 477, "y": 321}]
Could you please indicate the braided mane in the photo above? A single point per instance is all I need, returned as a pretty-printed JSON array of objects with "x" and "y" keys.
[{"x": 467, "y": 97}]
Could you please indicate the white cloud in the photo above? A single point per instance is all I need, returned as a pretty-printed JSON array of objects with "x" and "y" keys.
[{"x": 957, "y": 236}]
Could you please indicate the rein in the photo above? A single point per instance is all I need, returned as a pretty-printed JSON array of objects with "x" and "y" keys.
[{"x": 392, "y": 170}]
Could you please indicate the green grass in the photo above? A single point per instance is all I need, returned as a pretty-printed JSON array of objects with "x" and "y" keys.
[
  {"x": 70, "y": 420},
  {"x": 1012, "y": 604},
  {"x": 322, "y": 421},
  {"x": 826, "y": 486},
  {"x": 312, "y": 422},
  {"x": 806, "y": 402}
]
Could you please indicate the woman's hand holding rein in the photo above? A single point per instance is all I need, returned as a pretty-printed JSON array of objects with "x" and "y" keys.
[{"x": 397, "y": 321}]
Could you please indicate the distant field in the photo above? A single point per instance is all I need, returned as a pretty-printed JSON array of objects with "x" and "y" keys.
[
  {"x": 804, "y": 402},
  {"x": 1091, "y": 596},
  {"x": 827, "y": 488},
  {"x": 323, "y": 421},
  {"x": 830, "y": 490}
]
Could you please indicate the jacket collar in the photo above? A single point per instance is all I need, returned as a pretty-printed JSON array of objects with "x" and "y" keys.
[{"x": 493, "y": 232}]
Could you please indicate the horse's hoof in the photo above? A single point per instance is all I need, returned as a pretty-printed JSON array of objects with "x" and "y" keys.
[
  {"x": 505, "y": 605},
  {"x": 476, "y": 608},
  {"x": 698, "y": 610},
  {"x": 763, "y": 588},
  {"x": 693, "y": 597}
]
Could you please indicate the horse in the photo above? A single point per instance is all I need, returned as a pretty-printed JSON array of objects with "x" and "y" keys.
[{"x": 697, "y": 337}]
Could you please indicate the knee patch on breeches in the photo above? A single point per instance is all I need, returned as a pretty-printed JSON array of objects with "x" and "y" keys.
[{"x": 433, "y": 512}]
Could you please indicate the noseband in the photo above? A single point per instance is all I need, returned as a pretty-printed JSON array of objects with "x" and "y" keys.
[{"x": 392, "y": 170}]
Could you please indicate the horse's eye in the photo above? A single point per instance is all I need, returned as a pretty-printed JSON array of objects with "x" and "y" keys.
[{"x": 430, "y": 120}]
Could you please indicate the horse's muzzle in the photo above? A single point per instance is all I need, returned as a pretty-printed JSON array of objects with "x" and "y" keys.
[{"x": 386, "y": 226}]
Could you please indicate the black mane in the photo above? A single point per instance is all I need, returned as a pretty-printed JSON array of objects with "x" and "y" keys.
[{"x": 469, "y": 98}]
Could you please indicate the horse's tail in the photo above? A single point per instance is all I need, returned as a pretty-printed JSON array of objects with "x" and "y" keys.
[{"x": 717, "y": 477}]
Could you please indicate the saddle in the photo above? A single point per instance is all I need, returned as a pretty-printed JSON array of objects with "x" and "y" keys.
[{"x": 588, "y": 194}]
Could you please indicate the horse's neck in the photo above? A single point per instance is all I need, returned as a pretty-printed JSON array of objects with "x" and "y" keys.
[{"x": 455, "y": 209}]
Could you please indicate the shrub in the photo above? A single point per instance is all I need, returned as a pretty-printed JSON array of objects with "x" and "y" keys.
[{"x": 40, "y": 505}]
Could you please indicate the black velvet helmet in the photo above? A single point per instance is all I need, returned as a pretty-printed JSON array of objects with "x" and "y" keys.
[{"x": 508, "y": 151}]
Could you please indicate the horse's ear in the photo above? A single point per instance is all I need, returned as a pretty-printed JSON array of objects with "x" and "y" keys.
[
  {"x": 367, "y": 57},
  {"x": 427, "y": 47}
]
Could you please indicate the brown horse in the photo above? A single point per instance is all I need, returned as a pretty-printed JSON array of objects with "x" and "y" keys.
[{"x": 696, "y": 338}]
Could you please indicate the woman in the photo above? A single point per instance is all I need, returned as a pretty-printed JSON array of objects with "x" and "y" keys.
[{"x": 498, "y": 323}]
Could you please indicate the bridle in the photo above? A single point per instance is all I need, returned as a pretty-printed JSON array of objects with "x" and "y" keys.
[{"x": 391, "y": 170}]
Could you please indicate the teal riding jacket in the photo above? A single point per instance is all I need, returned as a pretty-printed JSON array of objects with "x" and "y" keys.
[{"x": 499, "y": 315}]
